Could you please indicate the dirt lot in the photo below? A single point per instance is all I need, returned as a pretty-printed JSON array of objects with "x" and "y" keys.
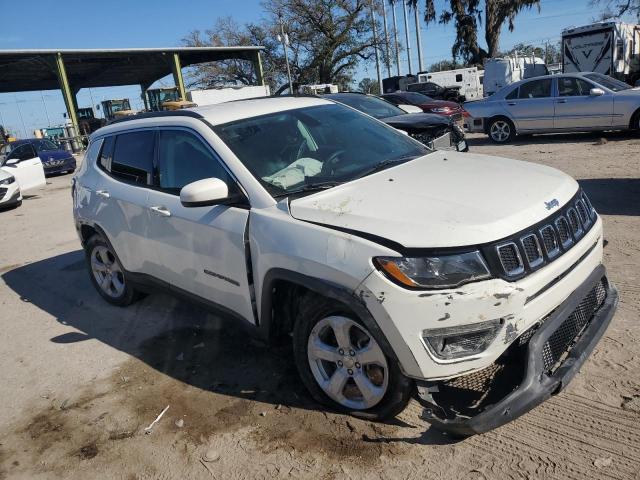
[{"x": 81, "y": 380}]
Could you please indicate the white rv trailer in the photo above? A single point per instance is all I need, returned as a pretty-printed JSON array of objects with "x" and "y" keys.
[
  {"x": 610, "y": 48},
  {"x": 500, "y": 72},
  {"x": 468, "y": 79}
]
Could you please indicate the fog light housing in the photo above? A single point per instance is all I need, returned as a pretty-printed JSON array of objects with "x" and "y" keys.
[{"x": 461, "y": 341}]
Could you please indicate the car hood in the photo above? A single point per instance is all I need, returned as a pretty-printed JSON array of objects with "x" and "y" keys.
[
  {"x": 4, "y": 174},
  {"x": 48, "y": 155},
  {"x": 417, "y": 120},
  {"x": 444, "y": 199}
]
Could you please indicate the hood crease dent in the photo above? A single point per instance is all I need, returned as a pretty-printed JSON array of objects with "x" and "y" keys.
[{"x": 441, "y": 200}]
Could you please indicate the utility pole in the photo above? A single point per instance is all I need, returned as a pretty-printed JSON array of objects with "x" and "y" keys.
[
  {"x": 386, "y": 37},
  {"x": 418, "y": 40},
  {"x": 24, "y": 128},
  {"x": 46, "y": 112},
  {"x": 406, "y": 34},
  {"x": 395, "y": 35},
  {"x": 375, "y": 44},
  {"x": 285, "y": 41}
]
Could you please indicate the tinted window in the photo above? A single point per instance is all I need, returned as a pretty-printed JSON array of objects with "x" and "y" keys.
[
  {"x": 414, "y": 98},
  {"x": 513, "y": 95},
  {"x": 107, "y": 153},
  {"x": 23, "y": 152},
  {"x": 536, "y": 89},
  {"x": 573, "y": 87},
  {"x": 45, "y": 144},
  {"x": 133, "y": 157},
  {"x": 374, "y": 106},
  {"x": 183, "y": 159}
]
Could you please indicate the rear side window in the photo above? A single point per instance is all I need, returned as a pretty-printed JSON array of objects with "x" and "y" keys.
[
  {"x": 184, "y": 159},
  {"x": 133, "y": 157},
  {"x": 107, "y": 153},
  {"x": 536, "y": 89}
]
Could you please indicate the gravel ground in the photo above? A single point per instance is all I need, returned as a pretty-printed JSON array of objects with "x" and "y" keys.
[{"x": 81, "y": 379}]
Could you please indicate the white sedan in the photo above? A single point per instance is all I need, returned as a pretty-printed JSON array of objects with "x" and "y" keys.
[{"x": 20, "y": 171}]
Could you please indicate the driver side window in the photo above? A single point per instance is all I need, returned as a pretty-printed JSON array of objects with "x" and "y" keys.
[
  {"x": 183, "y": 159},
  {"x": 23, "y": 152}
]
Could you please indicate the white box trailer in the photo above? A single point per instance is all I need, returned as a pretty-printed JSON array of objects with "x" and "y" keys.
[
  {"x": 610, "y": 48},
  {"x": 468, "y": 79},
  {"x": 500, "y": 72},
  {"x": 227, "y": 94}
]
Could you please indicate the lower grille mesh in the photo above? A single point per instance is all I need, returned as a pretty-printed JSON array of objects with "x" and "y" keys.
[{"x": 561, "y": 341}]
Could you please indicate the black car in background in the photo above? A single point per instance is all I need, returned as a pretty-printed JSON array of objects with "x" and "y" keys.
[
  {"x": 435, "y": 131},
  {"x": 437, "y": 92}
]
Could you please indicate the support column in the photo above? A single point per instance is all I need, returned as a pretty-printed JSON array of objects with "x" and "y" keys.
[
  {"x": 67, "y": 94},
  {"x": 144, "y": 88},
  {"x": 177, "y": 75},
  {"x": 257, "y": 66}
]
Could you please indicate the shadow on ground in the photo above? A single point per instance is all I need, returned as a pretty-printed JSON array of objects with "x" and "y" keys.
[{"x": 613, "y": 196}]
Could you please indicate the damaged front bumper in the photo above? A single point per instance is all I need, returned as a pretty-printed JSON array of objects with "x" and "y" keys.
[{"x": 531, "y": 371}]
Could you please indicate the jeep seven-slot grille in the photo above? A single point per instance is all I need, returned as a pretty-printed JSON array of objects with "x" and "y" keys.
[
  {"x": 562, "y": 340},
  {"x": 547, "y": 241}
]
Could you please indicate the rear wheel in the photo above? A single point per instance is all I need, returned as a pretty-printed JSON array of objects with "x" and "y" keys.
[
  {"x": 343, "y": 365},
  {"x": 107, "y": 274},
  {"x": 501, "y": 130}
]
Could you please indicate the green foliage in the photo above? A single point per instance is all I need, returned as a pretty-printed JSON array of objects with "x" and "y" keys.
[{"x": 369, "y": 85}]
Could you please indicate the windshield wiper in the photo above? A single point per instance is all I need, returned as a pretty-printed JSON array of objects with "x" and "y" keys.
[
  {"x": 310, "y": 187},
  {"x": 384, "y": 164}
]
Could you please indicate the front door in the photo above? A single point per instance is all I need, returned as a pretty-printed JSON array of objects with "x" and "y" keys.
[
  {"x": 575, "y": 108},
  {"x": 200, "y": 250},
  {"x": 532, "y": 109},
  {"x": 25, "y": 165}
]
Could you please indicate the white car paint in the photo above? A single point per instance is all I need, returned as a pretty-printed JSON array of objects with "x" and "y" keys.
[
  {"x": 440, "y": 200},
  {"x": 12, "y": 194},
  {"x": 28, "y": 175}
]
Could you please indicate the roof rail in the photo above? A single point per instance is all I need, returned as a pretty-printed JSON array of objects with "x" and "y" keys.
[{"x": 172, "y": 113}]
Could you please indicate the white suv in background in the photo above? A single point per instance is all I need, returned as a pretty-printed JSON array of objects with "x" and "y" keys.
[{"x": 474, "y": 282}]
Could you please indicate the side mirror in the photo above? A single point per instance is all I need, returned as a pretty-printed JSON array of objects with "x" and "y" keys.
[
  {"x": 12, "y": 161},
  {"x": 596, "y": 92},
  {"x": 205, "y": 192}
]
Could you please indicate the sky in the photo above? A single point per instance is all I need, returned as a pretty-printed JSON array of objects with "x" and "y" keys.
[{"x": 163, "y": 23}]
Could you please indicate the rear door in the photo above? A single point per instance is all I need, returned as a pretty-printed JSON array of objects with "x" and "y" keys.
[
  {"x": 533, "y": 107},
  {"x": 126, "y": 161},
  {"x": 576, "y": 109},
  {"x": 25, "y": 165},
  {"x": 200, "y": 250}
]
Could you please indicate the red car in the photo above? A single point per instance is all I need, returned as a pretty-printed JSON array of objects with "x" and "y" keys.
[{"x": 427, "y": 104}]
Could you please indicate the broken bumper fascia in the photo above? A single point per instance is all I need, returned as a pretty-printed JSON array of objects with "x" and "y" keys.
[{"x": 536, "y": 386}]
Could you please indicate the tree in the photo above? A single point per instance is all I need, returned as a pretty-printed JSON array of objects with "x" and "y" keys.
[
  {"x": 227, "y": 32},
  {"x": 468, "y": 14},
  {"x": 369, "y": 85},
  {"x": 444, "y": 65},
  {"x": 329, "y": 38},
  {"x": 618, "y": 8}
]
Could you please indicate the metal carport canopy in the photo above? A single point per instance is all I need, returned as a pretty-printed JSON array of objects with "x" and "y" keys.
[{"x": 28, "y": 70}]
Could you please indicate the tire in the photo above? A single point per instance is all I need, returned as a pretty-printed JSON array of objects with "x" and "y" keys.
[
  {"x": 501, "y": 130},
  {"x": 106, "y": 273},
  {"x": 388, "y": 389}
]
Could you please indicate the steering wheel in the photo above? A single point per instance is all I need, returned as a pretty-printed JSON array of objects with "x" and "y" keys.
[{"x": 330, "y": 164}]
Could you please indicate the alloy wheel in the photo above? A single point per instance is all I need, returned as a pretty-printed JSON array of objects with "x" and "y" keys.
[
  {"x": 500, "y": 130},
  {"x": 347, "y": 363},
  {"x": 107, "y": 271}
]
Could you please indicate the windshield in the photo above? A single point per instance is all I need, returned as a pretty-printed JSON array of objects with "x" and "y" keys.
[
  {"x": 415, "y": 98},
  {"x": 608, "y": 82},
  {"x": 44, "y": 144},
  {"x": 315, "y": 146},
  {"x": 376, "y": 107}
]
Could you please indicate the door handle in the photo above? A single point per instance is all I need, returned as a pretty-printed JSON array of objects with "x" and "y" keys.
[
  {"x": 512, "y": 104},
  {"x": 561, "y": 101},
  {"x": 160, "y": 210},
  {"x": 103, "y": 193}
]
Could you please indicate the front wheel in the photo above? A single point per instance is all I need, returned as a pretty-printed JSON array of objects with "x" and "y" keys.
[
  {"x": 501, "y": 130},
  {"x": 343, "y": 365}
]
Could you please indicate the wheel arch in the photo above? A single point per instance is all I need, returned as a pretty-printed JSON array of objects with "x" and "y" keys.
[{"x": 633, "y": 122}]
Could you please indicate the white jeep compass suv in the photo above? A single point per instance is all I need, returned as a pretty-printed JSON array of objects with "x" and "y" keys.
[{"x": 474, "y": 282}]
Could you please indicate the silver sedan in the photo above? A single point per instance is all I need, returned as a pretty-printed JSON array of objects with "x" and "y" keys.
[{"x": 574, "y": 102}]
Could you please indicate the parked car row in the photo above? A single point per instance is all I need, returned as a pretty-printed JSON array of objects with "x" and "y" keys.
[
  {"x": 24, "y": 164},
  {"x": 575, "y": 102}
]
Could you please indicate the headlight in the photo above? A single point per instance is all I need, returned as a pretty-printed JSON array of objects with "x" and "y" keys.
[
  {"x": 441, "y": 110},
  {"x": 7, "y": 181},
  {"x": 442, "y": 271}
]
